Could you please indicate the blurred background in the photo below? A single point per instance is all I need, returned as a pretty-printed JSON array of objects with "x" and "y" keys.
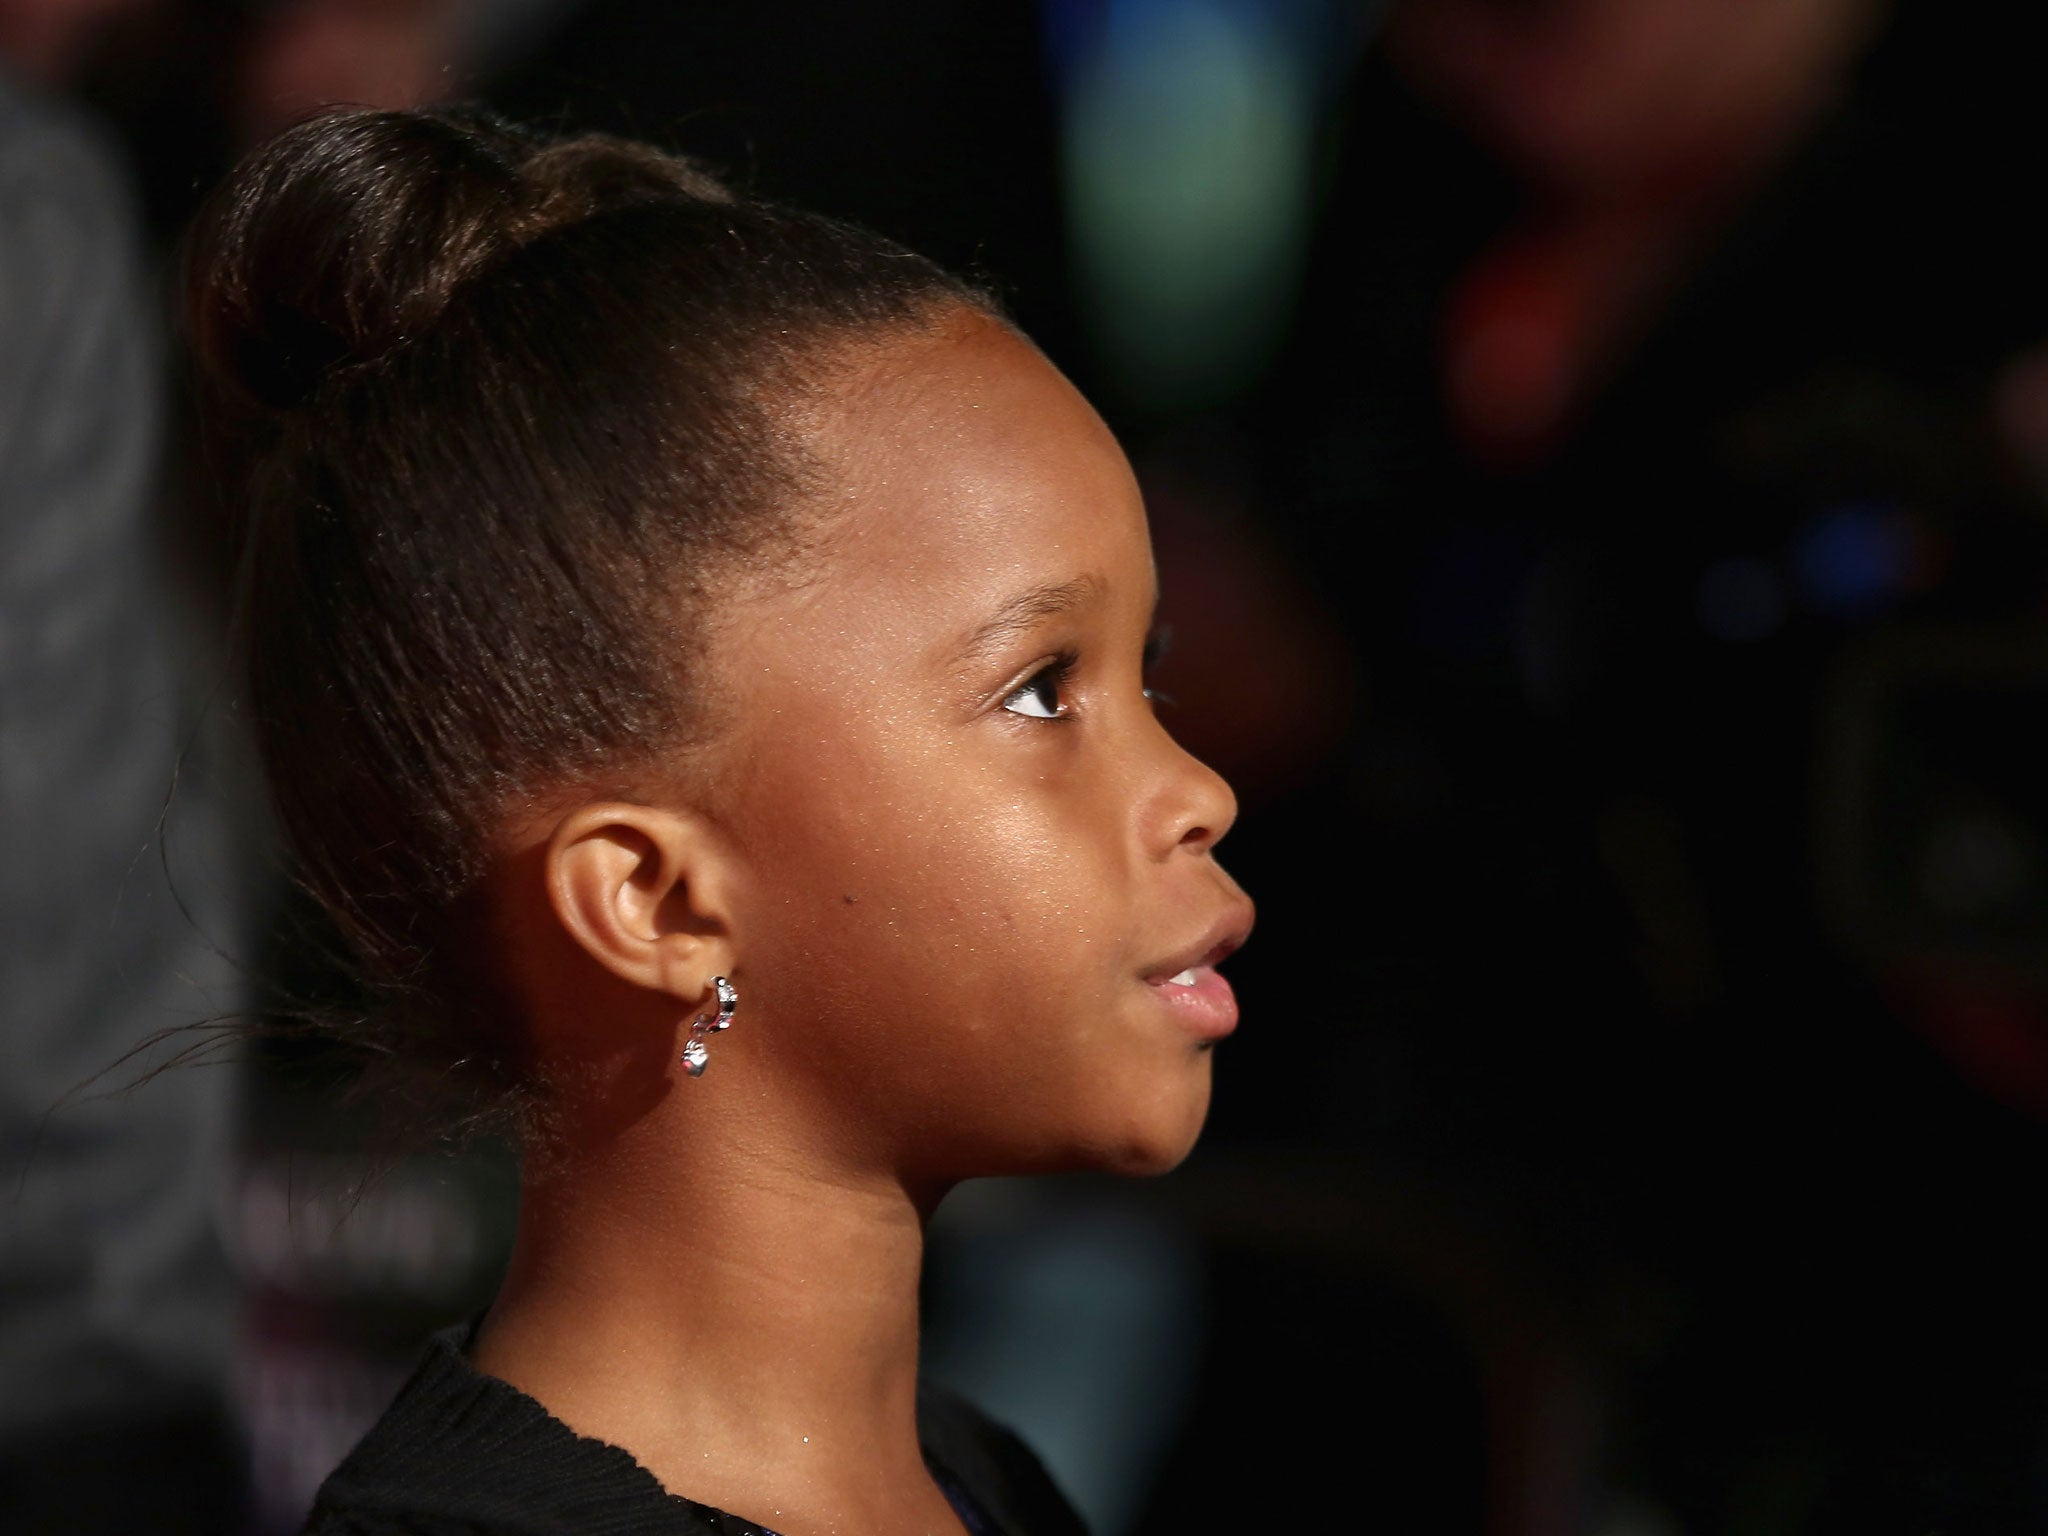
[{"x": 1598, "y": 452}]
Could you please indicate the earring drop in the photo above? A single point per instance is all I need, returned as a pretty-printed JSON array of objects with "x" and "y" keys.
[{"x": 695, "y": 1057}]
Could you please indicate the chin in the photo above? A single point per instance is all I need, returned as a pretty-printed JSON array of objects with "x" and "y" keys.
[
  {"x": 1148, "y": 1160},
  {"x": 1158, "y": 1140},
  {"x": 1138, "y": 1124}
]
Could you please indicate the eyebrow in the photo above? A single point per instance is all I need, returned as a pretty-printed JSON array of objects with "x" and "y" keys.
[{"x": 1027, "y": 608}]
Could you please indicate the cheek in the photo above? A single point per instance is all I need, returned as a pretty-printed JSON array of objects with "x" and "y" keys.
[
  {"x": 951, "y": 950},
  {"x": 935, "y": 887}
]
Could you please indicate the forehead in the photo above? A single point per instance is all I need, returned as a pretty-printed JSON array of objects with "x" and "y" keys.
[{"x": 959, "y": 468}]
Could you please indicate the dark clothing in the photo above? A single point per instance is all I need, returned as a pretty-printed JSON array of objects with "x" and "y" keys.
[{"x": 462, "y": 1452}]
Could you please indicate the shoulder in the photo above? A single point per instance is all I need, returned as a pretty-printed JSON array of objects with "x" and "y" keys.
[
  {"x": 64, "y": 199},
  {"x": 459, "y": 1453},
  {"x": 997, "y": 1469},
  {"x": 78, "y": 359}
]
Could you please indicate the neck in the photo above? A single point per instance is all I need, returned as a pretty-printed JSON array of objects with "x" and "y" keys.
[{"x": 745, "y": 1328}]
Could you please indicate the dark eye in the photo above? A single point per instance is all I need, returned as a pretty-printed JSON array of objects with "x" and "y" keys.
[{"x": 1038, "y": 698}]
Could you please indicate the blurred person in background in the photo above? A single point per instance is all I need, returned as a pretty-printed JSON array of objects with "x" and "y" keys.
[
  {"x": 1660, "y": 421},
  {"x": 115, "y": 1305}
]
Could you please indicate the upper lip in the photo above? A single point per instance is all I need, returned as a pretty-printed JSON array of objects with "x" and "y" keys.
[{"x": 1223, "y": 936}]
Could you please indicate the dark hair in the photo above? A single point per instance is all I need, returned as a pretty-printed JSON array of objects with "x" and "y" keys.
[{"x": 492, "y": 408}]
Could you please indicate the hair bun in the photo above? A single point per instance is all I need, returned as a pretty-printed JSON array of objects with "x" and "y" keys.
[{"x": 348, "y": 233}]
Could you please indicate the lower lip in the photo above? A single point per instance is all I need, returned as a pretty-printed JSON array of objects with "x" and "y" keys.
[{"x": 1207, "y": 1010}]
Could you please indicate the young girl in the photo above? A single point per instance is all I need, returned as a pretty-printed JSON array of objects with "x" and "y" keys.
[{"x": 671, "y": 611}]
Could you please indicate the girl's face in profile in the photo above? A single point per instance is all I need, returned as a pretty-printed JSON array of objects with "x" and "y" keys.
[{"x": 973, "y": 857}]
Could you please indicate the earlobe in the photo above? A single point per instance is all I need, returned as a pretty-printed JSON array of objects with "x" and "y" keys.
[{"x": 638, "y": 889}]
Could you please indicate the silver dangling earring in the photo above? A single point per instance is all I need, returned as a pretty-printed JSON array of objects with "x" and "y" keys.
[{"x": 695, "y": 1057}]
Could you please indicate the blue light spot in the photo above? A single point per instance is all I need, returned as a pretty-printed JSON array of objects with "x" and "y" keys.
[{"x": 1855, "y": 558}]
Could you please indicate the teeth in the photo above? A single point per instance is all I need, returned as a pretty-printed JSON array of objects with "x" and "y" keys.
[{"x": 1185, "y": 979}]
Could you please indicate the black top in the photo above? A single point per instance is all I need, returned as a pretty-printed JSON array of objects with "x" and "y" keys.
[{"x": 460, "y": 1453}]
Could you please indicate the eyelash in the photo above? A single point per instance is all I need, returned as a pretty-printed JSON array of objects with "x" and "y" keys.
[
  {"x": 1157, "y": 645},
  {"x": 1060, "y": 671}
]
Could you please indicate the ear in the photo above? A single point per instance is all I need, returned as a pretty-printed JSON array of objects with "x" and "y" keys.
[{"x": 642, "y": 890}]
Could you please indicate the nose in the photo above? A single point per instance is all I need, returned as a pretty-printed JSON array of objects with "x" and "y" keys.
[{"x": 1192, "y": 805}]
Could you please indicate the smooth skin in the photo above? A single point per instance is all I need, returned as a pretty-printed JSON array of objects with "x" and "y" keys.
[{"x": 947, "y": 853}]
